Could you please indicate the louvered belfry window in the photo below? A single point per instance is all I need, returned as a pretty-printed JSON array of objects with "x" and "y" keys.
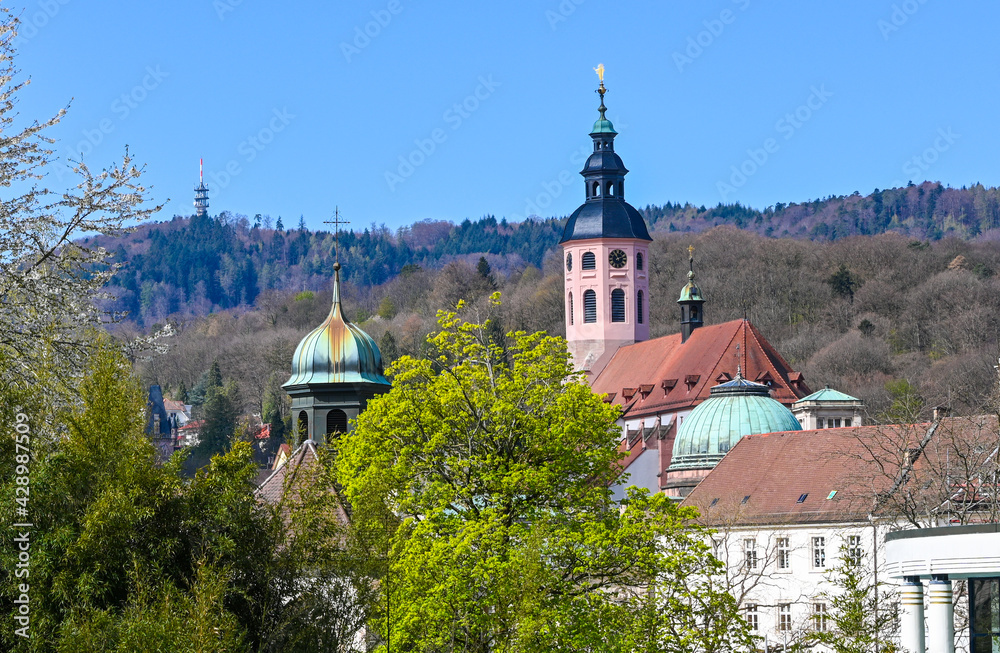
[
  {"x": 571, "y": 309},
  {"x": 638, "y": 307},
  {"x": 589, "y": 261},
  {"x": 617, "y": 305},
  {"x": 336, "y": 422},
  {"x": 589, "y": 306}
]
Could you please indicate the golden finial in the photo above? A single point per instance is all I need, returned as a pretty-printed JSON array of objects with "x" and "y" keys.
[
  {"x": 690, "y": 251},
  {"x": 600, "y": 72}
]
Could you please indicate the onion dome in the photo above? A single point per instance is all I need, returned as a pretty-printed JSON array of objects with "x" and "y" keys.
[
  {"x": 336, "y": 351},
  {"x": 735, "y": 409},
  {"x": 605, "y": 214}
]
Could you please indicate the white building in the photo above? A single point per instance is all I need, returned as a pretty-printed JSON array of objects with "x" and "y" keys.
[{"x": 788, "y": 507}]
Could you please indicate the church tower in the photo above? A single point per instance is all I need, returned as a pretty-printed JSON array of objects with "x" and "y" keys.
[
  {"x": 691, "y": 301},
  {"x": 336, "y": 370},
  {"x": 606, "y": 256}
]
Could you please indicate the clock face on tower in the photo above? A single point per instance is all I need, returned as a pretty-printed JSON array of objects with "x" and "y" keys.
[{"x": 617, "y": 258}]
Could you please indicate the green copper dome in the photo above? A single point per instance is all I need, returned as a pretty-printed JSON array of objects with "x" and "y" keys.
[
  {"x": 336, "y": 352},
  {"x": 603, "y": 126},
  {"x": 735, "y": 409},
  {"x": 690, "y": 292}
]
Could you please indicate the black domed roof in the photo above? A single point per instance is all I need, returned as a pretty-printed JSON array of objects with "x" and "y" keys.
[{"x": 605, "y": 218}]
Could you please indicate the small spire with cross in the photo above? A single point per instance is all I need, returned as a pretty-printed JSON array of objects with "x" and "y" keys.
[{"x": 336, "y": 222}]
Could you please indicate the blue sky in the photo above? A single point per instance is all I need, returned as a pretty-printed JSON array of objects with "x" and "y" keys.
[{"x": 302, "y": 106}]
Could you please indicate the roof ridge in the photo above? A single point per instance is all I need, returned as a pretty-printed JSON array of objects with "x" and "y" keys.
[
  {"x": 767, "y": 353},
  {"x": 722, "y": 353}
]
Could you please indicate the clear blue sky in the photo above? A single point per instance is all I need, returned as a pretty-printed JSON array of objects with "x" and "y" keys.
[{"x": 310, "y": 115}]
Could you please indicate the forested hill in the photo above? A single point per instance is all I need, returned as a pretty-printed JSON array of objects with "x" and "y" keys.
[{"x": 193, "y": 266}]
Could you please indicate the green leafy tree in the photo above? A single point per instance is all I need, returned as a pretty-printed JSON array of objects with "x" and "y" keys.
[
  {"x": 906, "y": 403},
  {"x": 863, "y": 613},
  {"x": 498, "y": 465}
]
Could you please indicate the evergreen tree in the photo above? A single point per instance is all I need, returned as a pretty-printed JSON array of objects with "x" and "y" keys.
[
  {"x": 387, "y": 345},
  {"x": 279, "y": 225},
  {"x": 221, "y": 417},
  {"x": 843, "y": 282}
]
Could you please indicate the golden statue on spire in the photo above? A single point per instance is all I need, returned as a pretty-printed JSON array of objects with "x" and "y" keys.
[{"x": 600, "y": 71}]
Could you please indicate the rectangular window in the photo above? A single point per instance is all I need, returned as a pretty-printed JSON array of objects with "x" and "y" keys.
[
  {"x": 750, "y": 551},
  {"x": 784, "y": 553},
  {"x": 784, "y": 616},
  {"x": 836, "y": 423},
  {"x": 854, "y": 550},
  {"x": 752, "y": 616},
  {"x": 819, "y": 552},
  {"x": 847, "y": 421},
  {"x": 819, "y": 617}
]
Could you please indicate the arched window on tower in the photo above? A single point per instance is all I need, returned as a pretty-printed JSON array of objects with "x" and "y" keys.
[
  {"x": 597, "y": 189},
  {"x": 638, "y": 261},
  {"x": 588, "y": 261},
  {"x": 571, "y": 309},
  {"x": 638, "y": 307},
  {"x": 589, "y": 306},
  {"x": 304, "y": 426},
  {"x": 336, "y": 422},
  {"x": 611, "y": 189},
  {"x": 617, "y": 305}
]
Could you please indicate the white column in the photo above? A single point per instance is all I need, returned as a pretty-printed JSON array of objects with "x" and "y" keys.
[
  {"x": 940, "y": 616},
  {"x": 911, "y": 600}
]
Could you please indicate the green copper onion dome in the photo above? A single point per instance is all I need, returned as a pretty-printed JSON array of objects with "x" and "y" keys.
[
  {"x": 336, "y": 351},
  {"x": 690, "y": 292},
  {"x": 735, "y": 409}
]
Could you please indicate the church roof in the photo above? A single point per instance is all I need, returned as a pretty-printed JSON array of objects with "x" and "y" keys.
[
  {"x": 666, "y": 374},
  {"x": 336, "y": 352},
  {"x": 300, "y": 472},
  {"x": 605, "y": 218},
  {"x": 826, "y": 475},
  {"x": 734, "y": 410},
  {"x": 828, "y": 394}
]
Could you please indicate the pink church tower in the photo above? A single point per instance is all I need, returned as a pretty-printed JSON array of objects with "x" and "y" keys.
[{"x": 606, "y": 257}]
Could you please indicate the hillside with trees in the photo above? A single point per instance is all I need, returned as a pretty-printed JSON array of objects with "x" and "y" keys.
[
  {"x": 898, "y": 322},
  {"x": 189, "y": 267}
]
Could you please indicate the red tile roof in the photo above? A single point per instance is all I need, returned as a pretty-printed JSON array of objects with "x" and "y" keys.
[
  {"x": 775, "y": 470},
  {"x": 302, "y": 472},
  {"x": 682, "y": 374},
  {"x": 170, "y": 404}
]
